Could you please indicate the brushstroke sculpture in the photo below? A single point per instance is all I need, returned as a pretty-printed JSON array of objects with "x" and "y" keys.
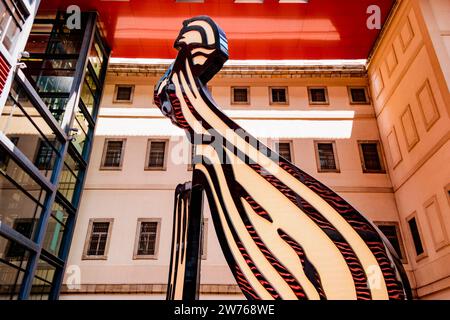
[{"x": 284, "y": 234}]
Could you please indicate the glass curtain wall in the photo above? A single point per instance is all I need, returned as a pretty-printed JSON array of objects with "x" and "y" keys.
[{"x": 46, "y": 131}]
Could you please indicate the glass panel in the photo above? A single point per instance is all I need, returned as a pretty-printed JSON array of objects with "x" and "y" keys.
[
  {"x": 99, "y": 237},
  {"x": 358, "y": 95},
  {"x": 371, "y": 157},
  {"x": 318, "y": 95},
  {"x": 69, "y": 177},
  {"x": 326, "y": 156},
  {"x": 278, "y": 95},
  {"x": 416, "y": 236},
  {"x": 20, "y": 119},
  {"x": 42, "y": 282},
  {"x": 284, "y": 149},
  {"x": 4, "y": 18},
  {"x": 391, "y": 234},
  {"x": 11, "y": 34},
  {"x": 96, "y": 59},
  {"x": 81, "y": 137},
  {"x": 11, "y": 269},
  {"x": 240, "y": 94},
  {"x": 19, "y": 209},
  {"x": 157, "y": 149},
  {"x": 147, "y": 238},
  {"x": 113, "y": 154},
  {"x": 55, "y": 229}
]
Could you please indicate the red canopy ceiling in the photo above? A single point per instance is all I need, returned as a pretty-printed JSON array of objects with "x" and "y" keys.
[{"x": 320, "y": 29}]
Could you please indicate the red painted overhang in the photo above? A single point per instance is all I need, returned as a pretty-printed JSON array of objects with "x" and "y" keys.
[{"x": 321, "y": 29}]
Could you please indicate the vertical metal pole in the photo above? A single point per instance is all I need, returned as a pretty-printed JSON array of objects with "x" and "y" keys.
[{"x": 194, "y": 238}]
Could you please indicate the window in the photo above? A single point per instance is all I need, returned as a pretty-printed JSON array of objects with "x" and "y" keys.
[
  {"x": 124, "y": 93},
  {"x": 4, "y": 158},
  {"x": 391, "y": 231},
  {"x": 326, "y": 156},
  {"x": 12, "y": 17},
  {"x": 284, "y": 150},
  {"x": 156, "y": 155},
  {"x": 318, "y": 95},
  {"x": 240, "y": 95},
  {"x": 204, "y": 244},
  {"x": 278, "y": 95},
  {"x": 24, "y": 226},
  {"x": 358, "y": 95},
  {"x": 97, "y": 239},
  {"x": 45, "y": 156},
  {"x": 113, "y": 153},
  {"x": 147, "y": 239},
  {"x": 415, "y": 235},
  {"x": 191, "y": 160},
  {"x": 370, "y": 154}
]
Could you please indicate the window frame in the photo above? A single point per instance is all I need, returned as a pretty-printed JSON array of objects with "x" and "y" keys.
[
  {"x": 154, "y": 256},
  {"x": 335, "y": 154},
  {"x": 233, "y": 102},
  {"x": 291, "y": 148},
  {"x": 87, "y": 241},
  {"x": 396, "y": 225},
  {"x": 350, "y": 97},
  {"x": 424, "y": 254},
  {"x": 122, "y": 155},
  {"x": 116, "y": 91},
  {"x": 380, "y": 156},
  {"x": 327, "y": 98},
  {"x": 285, "y": 103},
  {"x": 147, "y": 155}
]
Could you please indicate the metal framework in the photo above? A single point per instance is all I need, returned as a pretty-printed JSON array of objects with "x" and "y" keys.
[{"x": 62, "y": 194}]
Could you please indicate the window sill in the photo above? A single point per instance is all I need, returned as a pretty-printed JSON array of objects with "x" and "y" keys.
[{"x": 86, "y": 257}]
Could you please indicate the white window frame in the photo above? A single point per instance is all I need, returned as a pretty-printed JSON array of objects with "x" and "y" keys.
[
  {"x": 279, "y": 103},
  {"x": 380, "y": 156},
  {"x": 291, "y": 148},
  {"x": 147, "y": 156},
  {"x": 154, "y": 256},
  {"x": 122, "y": 154},
  {"x": 327, "y": 99},
  {"x": 336, "y": 158},
  {"x": 350, "y": 97},
  {"x": 240, "y": 102},
  {"x": 87, "y": 241},
  {"x": 395, "y": 224},
  {"x": 116, "y": 90}
]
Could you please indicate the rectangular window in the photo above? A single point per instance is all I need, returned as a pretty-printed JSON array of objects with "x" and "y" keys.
[
  {"x": 45, "y": 157},
  {"x": 147, "y": 239},
  {"x": 318, "y": 95},
  {"x": 12, "y": 17},
  {"x": 156, "y": 155},
  {"x": 240, "y": 95},
  {"x": 326, "y": 156},
  {"x": 370, "y": 154},
  {"x": 415, "y": 235},
  {"x": 284, "y": 150},
  {"x": 124, "y": 93},
  {"x": 98, "y": 239},
  {"x": 113, "y": 153},
  {"x": 278, "y": 95},
  {"x": 392, "y": 232},
  {"x": 358, "y": 95},
  {"x": 24, "y": 226}
]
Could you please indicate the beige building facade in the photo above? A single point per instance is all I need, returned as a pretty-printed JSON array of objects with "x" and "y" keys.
[{"x": 374, "y": 131}]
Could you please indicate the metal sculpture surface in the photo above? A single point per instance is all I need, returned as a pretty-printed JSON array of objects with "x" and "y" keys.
[{"x": 284, "y": 234}]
